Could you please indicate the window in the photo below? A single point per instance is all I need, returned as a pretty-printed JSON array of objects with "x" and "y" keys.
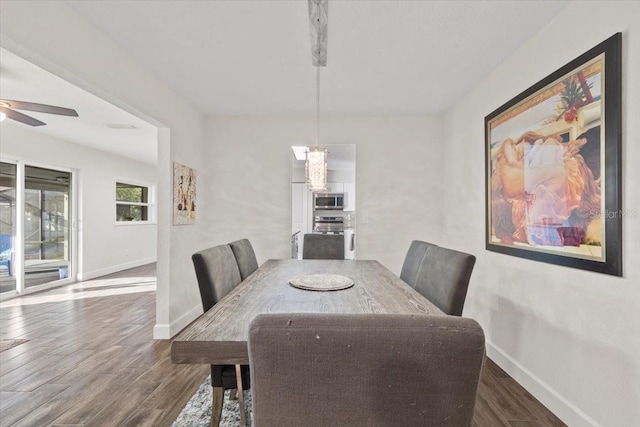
[{"x": 133, "y": 202}]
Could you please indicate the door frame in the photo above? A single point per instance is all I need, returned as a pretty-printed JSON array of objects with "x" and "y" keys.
[{"x": 74, "y": 238}]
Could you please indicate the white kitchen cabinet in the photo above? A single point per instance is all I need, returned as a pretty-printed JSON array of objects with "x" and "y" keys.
[
  {"x": 350, "y": 196},
  {"x": 300, "y": 216},
  {"x": 335, "y": 187},
  {"x": 299, "y": 196}
]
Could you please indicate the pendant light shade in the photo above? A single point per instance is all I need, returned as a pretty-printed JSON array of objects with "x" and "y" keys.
[{"x": 316, "y": 168}]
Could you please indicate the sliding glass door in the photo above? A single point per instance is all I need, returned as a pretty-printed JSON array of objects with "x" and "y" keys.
[
  {"x": 7, "y": 226},
  {"x": 35, "y": 215},
  {"x": 46, "y": 225}
]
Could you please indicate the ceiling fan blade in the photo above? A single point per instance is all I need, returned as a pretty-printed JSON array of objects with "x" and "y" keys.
[
  {"x": 40, "y": 108},
  {"x": 22, "y": 118}
]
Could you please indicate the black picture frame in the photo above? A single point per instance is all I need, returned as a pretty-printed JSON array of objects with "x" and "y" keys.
[{"x": 553, "y": 166}]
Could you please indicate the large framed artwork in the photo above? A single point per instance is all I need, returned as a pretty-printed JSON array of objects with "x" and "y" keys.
[
  {"x": 184, "y": 194},
  {"x": 553, "y": 169}
]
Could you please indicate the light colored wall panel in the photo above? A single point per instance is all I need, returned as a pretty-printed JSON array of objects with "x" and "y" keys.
[
  {"x": 571, "y": 337},
  {"x": 398, "y": 180}
]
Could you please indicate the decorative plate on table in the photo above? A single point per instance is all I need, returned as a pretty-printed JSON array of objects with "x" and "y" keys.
[{"x": 321, "y": 282}]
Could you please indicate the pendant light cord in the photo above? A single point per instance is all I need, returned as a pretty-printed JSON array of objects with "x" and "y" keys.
[{"x": 317, "y": 105}]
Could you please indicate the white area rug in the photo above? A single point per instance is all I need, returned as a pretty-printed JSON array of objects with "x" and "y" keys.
[{"x": 197, "y": 412}]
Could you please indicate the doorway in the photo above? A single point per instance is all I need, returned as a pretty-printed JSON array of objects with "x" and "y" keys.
[{"x": 310, "y": 217}]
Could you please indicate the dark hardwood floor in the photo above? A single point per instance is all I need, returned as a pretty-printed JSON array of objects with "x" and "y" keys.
[{"x": 91, "y": 361}]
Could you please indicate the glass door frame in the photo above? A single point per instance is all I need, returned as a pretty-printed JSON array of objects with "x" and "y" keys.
[{"x": 18, "y": 245}]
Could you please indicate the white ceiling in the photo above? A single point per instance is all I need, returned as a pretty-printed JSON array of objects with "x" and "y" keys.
[
  {"x": 22, "y": 81},
  {"x": 253, "y": 58}
]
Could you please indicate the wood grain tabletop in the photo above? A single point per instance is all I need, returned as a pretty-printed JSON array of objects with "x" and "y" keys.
[{"x": 219, "y": 336}]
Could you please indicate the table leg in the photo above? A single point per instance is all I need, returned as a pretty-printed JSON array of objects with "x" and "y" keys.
[{"x": 243, "y": 419}]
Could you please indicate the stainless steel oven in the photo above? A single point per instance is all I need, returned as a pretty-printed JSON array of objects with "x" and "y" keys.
[
  {"x": 328, "y": 201},
  {"x": 328, "y": 224}
]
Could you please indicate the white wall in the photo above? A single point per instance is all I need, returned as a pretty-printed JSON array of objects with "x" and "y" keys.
[
  {"x": 105, "y": 247},
  {"x": 571, "y": 337},
  {"x": 398, "y": 180},
  {"x": 53, "y": 36}
]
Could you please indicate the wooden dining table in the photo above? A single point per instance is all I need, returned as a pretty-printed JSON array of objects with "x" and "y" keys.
[{"x": 220, "y": 335}]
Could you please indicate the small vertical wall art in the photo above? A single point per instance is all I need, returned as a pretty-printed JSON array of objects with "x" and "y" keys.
[{"x": 184, "y": 194}]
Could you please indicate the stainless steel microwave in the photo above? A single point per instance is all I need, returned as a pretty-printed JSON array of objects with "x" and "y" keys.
[{"x": 328, "y": 201}]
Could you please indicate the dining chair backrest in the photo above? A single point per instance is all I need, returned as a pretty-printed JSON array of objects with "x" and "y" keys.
[
  {"x": 245, "y": 257},
  {"x": 443, "y": 278},
  {"x": 323, "y": 246},
  {"x": 322, "y": 370},
  {"x": 217, "y": 273},
  {"x": 412, "y": 261}
]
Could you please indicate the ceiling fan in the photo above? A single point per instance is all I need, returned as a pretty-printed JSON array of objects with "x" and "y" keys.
[{"x": 8, "y": 107}]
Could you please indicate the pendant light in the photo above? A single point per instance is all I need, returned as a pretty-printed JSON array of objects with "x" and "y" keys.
[
  {"x": 316, "y": 156},
  {"x": 316, "y": 161}
]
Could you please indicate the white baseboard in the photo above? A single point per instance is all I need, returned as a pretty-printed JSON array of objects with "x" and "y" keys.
[
  {"x": 163, "y": 331},
  {"x": 554, "y": 401},
  {"x": 88, "y": 275}
]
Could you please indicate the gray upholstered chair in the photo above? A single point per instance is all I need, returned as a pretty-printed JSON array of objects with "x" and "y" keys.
[
  {"x": 245, "y": 256},
  {"x": 412, "y": 261},
  {"x": 217, "y": 272},
  {"x": 323, "y": 246},
  {"x": 443, "y": 278},
  {"x": 322, "y": 370}
]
